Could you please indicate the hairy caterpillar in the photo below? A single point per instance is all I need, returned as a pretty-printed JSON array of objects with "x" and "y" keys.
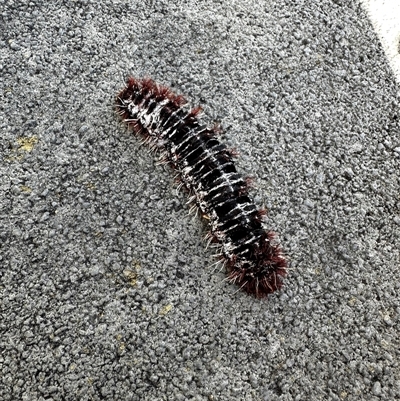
[{"x": 251, "y": 255}]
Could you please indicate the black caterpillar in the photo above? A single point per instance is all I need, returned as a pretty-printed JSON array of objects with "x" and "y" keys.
[{"x": 249, "y": 252}]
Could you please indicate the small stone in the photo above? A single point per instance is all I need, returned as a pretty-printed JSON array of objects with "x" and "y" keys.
[
  {"x": 309, "y": 203},
  {"x": 13, "y": 45},
  {"x": 45, "y": 216},
  {"x": 377, "y": 390},
  {"x": 348, "y": 173},
  {"x": 83, "y": 129},
  {"x": 356, "y": 147}
]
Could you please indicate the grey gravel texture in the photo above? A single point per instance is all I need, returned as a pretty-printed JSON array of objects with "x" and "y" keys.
[{"x": 106, "y": 289}]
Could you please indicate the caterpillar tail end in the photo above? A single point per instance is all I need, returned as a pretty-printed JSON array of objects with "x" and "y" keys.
[{"x": 263, "y": 272}]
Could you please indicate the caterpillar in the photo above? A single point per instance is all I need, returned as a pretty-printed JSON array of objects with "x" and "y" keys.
[{"x": 252, "y": 256}]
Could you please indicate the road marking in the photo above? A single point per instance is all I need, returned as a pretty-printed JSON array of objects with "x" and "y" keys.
[{"x": 385, "y": 16}]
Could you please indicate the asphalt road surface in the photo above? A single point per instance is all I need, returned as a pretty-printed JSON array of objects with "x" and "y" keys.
[{"x": 106, "y": 289}]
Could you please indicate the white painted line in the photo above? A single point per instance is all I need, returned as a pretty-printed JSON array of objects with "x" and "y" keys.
[{"x": 385, "y": 16}]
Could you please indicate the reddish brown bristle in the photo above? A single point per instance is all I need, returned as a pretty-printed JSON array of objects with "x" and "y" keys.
[
  {"x": 131, "y": 82},
  {"x": 180, "y": 100},
  {"x": 195, "y": 111},
  {"x": 233, "y": 152},
  {"x": 250, "y": 182},
  {"x": 261, "y": 214}
]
